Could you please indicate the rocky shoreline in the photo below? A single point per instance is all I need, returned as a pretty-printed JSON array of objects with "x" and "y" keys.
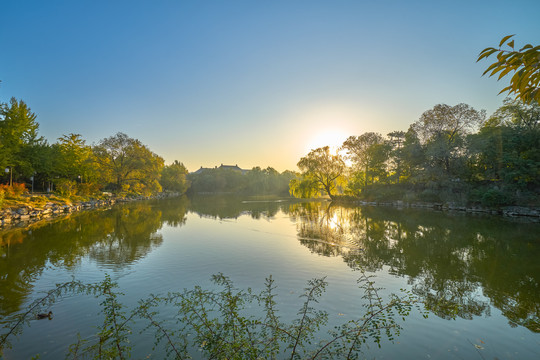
[
  {"x": 510, "y": 211},
  {"x": 23, "y": 215}
]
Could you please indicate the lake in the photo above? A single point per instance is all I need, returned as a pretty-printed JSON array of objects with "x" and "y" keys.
[{"x": 478, "y": 275}]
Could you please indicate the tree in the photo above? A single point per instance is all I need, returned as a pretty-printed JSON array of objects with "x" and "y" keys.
[
  {"x": 173, "y": 177},
  {"x": 369, "y": 153},
  {"x": 326, "y": 169},
  {"x": 413, "y": 157},
  {"x": 304, "y": 187},
  {"x": 397, "y": 138},
  {"x": 128, "y": 164},
  {"x": 515, "y": 113},
  {"x": 442, "y": 131},
  {"x": 18, "y": 130},
  {"x": 74, "y": 157},
  {"x": 523, "y": 63},
  {"x": 506, "y": 149}
]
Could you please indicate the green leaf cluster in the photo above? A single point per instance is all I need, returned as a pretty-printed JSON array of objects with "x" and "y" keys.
[{"x": 523, "y": 64}]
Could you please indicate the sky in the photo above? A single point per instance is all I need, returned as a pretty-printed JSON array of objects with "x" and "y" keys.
[{"x": 253, "y": 83}]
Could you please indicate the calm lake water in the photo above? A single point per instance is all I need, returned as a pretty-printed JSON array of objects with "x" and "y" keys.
[{"x": 485, "y": 270}]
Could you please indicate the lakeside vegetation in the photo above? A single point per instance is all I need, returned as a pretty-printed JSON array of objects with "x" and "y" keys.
[
  {"x": 440, "y": 158},
  {"x": 227, "y": 179},
  {"x": 70, "y": 167},
  {"x": 71, "y": 170},
  {"x": 451, "y": 154}
]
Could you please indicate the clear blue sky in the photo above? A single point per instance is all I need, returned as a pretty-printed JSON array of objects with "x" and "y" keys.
[{"x": 249, "y": 82}]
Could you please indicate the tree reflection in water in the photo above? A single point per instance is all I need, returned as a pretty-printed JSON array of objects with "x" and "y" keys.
[
  {"x": 116, "y": 237},
  {"x": 458, "y": 264}
]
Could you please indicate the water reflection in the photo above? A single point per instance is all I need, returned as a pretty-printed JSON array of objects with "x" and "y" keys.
[
  {"x": 232, "y": 206},
  {"x": 457, "y": 264},
  {"x": 115, "y": 237}
]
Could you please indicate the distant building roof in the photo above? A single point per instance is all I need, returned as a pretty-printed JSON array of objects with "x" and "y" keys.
[
  {"x": 233, "y": 167},
  {"x": 225, "y": 167},
  {"x": 200, "y": 170}
]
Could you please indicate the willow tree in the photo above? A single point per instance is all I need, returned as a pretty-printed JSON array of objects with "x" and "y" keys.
[
  {"x": 324, "y": 168},
  {"x": 305, "y": 187}
]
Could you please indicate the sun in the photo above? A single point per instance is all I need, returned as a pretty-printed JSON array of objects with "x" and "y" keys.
[{"x": 333, "y": 138}]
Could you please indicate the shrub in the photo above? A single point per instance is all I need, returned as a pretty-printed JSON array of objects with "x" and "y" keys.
[
  {"x": 144, "y": 189},
  {"x": 494, "y": 198},
  {"x": 13, "y": 191},
  {"x": 19, "y": 189},
  {"x": 65, "y": 187},
  {"x": 85, "y": 189},
  {"x": 6, "y": 190}
]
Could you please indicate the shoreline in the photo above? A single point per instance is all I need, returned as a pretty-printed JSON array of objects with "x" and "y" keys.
[
  {"x": 26, "y": 215},
  {"x": 532, "y": 213}
]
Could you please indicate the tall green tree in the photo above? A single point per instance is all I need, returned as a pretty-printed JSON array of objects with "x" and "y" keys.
[
  {"x": 18, "y": 131},
  {"x": 325, "y": 168},
  {"x": 45, "y": 159},
  {"x": 369, "y": 154},
  {"x": 267, "y": 181},
  {"x": 74, "y": 157},
  {"x": 396, "y": 140},
  {"x": 413, "y": 157},
  {"x": 304, "y": 187}
]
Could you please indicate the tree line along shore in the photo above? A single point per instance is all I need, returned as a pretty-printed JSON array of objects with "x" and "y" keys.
[{"x": 452, "y": 155}]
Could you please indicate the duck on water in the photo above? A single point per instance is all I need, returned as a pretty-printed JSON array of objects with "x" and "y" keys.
[{"x": 45, "y": 316}]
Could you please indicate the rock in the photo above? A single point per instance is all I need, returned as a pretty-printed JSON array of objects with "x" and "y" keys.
[{"x": 36, "y": 213}]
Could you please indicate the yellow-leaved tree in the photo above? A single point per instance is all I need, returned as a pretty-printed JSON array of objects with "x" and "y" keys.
[{"x": 522, "y": 64}]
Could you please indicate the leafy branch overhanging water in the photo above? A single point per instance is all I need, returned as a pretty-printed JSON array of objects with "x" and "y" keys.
[{"x": 219, "y": 323}]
